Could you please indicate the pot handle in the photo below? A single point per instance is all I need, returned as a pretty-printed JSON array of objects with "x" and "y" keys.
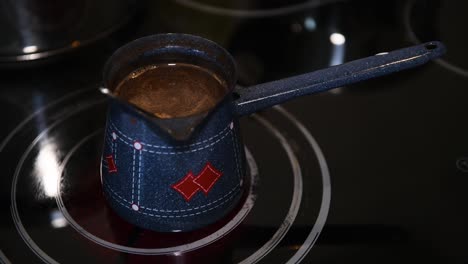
[{"x": 254, "y": 98}]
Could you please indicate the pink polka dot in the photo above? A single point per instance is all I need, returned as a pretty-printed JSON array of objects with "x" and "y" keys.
[{"x": 137, "y": 145}]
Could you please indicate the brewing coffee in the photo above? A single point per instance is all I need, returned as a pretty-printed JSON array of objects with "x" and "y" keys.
[{"x": 172, "y": 89}]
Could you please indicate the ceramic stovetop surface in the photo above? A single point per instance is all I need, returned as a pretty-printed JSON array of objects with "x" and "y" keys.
[{"x": 373, "y": 172}]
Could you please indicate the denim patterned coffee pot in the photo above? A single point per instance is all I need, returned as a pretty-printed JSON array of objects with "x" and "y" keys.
[{"x": 182, "y": 174}]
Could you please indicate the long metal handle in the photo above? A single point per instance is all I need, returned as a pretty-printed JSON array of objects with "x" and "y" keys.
[{"x": 258, "y": 97}]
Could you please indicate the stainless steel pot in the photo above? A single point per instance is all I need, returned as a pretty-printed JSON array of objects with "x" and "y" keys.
[{"x": 35, "y": 29}]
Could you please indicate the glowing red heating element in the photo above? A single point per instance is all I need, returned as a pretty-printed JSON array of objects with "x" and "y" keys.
[
  {"x": 111, "y": 164},
  {"x": 190, "y": 184}
]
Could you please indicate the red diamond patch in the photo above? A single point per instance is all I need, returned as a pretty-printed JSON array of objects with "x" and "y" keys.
[
  {"x": 111, "y": 164},
  {"x": 207, "y": 178},
  {"x": 204, "y": 181},
  {"x": 186, "y": 187}
]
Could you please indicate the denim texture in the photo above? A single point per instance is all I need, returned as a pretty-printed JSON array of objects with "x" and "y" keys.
[{"x": 148, "y": 163}]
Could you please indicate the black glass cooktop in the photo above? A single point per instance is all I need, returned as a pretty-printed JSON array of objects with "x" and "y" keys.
[{"x": 370, "y": 173}]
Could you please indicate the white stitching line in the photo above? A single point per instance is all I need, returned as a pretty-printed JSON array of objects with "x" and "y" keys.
[
  {"x": 236, "y": 155},
  {"x": 177, "y": 152},
  {"x": 113, "y": 144},
  {"x": 124, "y": 205},
  {"x": 114, "y": 195},
  {"x": 170, "y": 147},
  {"x": 120, "y": 132},
  {"x": 133, "y": 175},
  {"x": 239, "y": 148},
  {"x": 192, "y": 150},
  {"x": 195, "y": 208},
  {"x": 109, "y": 141},
  {"x": 190, "y": 145},
  {"x": 187, "y": 215},
  {"x": 115, "y": 153},
  {"x": 108, "y": 187},
  {"x": 139, "y": 175}
]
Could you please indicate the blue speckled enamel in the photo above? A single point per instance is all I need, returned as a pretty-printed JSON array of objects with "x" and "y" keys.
[
  {"x": 144, "y": 177},
  {"x": 141, "y": 189},
  {"x": 255, "y": 98}
]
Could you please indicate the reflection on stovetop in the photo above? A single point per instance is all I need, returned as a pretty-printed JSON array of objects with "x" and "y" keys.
[
  {"x": 436, "y": 20},
  {"x": 391, "y": 145}
]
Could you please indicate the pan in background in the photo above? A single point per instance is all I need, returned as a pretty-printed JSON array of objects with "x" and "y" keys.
[{"x": 37, "y": 29}]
